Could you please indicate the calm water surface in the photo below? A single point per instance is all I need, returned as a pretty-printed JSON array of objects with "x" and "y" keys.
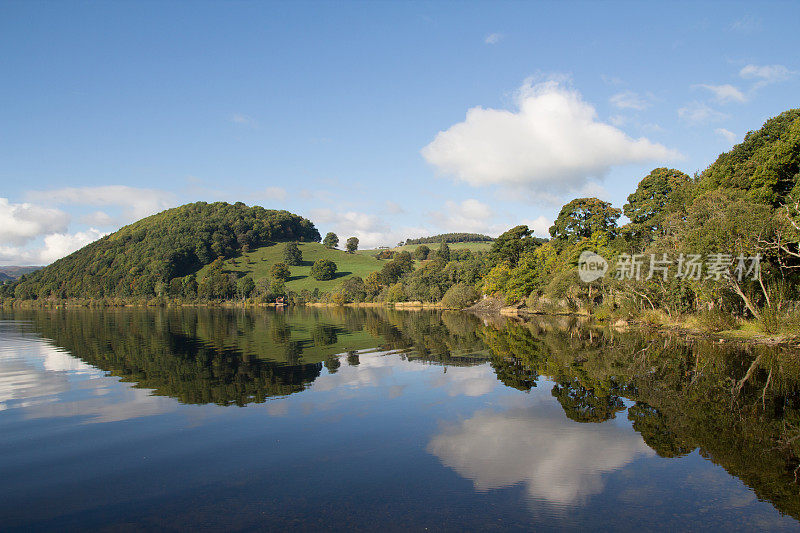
[{"x": 376, "y": 419}]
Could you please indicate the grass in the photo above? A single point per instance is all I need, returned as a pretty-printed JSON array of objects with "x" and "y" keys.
[{"x": 257, "y": 265}]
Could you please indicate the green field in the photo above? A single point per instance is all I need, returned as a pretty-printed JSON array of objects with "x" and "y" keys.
[
  {"x": 472, "y": 246},
  {"x": 257, "y": 265}
]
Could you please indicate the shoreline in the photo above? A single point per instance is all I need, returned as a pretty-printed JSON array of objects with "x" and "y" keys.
[{"x": 488, "y": 307}]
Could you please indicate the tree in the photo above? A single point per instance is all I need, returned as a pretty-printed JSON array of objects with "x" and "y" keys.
[
  {"x": 353, "y": 289},
  {"x": 323, "y": 270},
  {"x": 444, "y": 252},
  {"x": 583, "y": 217},
  {"x": 216, "y": 285},
  {"x": 331, "y": 240},
  {"x": 278, "y": 287},
  {"x": 422, "y": 252},
  {"x": 509, "y": 246},
  {"x": 460, "y": 296},
  {"x": 244, "y": 287},
  {"x": 280, "y": 271},
  {"x": 292, "y": 255},
  {"x": 352, "y": 244},
  {"x": 663, "y": 190}
]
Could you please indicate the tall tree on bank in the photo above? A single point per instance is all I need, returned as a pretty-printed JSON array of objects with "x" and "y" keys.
[
  {"x": 352, "y": 245},
  {"x": 510, "y": 246},
  {"x": 663, "y": 191},
  {"x": 331, "y": 240},
  {"x": 583, "y": 217},
  {"x": 292, "y": 255}
]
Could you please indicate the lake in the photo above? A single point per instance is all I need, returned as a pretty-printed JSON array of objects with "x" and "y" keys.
[{"x": 365, "y": 419}]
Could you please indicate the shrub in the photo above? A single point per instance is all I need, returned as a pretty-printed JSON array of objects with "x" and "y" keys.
[
  {"x": 323, "y": 269},
  {"x": 460, "y": 296}
]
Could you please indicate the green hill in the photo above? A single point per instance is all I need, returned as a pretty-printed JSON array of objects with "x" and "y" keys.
[
  {"x": 142, "y": 258},
  {"x": 766, "y": 164},
  {"x": 257, "y": 264}
]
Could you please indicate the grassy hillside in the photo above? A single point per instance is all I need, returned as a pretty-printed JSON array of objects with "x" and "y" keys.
[{"x": 257, "y": 265}]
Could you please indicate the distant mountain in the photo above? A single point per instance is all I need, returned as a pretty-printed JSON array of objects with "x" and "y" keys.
[
  {"x": 174, "y": 243},
  {"x": 451, "y": 238},
  {"x": 13, "y": 272}
]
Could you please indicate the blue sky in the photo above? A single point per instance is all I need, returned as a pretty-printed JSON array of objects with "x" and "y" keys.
[{"x": 376, "y": 119}]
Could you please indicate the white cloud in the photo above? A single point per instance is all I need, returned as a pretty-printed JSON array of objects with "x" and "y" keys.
[
  {"x": 59, "y": 245},
  {"x": 98, "y": 218},
  {"x": 618, "y": 120},
  {"x": 497, "y": 450},
  {"x": 700, "y": 113},
  {"x": 493, "y": 38},
  {"x": 552, "y": 141},
  {"x": 394, "y": 208},
  {"x": 725, "y": 93},
  {"x": 765, "y": 73},
  {"x": 21, "y": 223},
  {"x": 727, "y": 134},
  {"x": 470, "y": 215},
  {"x": 244, "y": 120},
  {"x": 274, "y": 193},
  {"x": 53, "y": 246},
  {"x": 370, "y": 229},
  {"x": 135, "y": 202},
  {"x": 540, "y": 225},
  {"x": 746, "y": 24},
  {"x": 629, "y": 100}
]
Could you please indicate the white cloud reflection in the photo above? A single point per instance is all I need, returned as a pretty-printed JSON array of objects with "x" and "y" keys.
[
  {"x": 559, "y": 462},
  {"x": 42, "y": 381}
]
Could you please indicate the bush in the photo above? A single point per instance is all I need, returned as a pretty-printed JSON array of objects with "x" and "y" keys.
[
  {"x": 460, "y": 296},
  {"x": 323, "y": 270}
]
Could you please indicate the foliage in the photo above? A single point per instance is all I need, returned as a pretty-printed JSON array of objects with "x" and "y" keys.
[
  {"x": 460, "y": 296},
  {"x": 422, "y": 252},
  {"x": 661, "y": 192},
  {"x": 323, "y": 269},
  {"x": 766, "y": 165},
  {"x": 443, "y": 253},
  {"x": 509, "y": 246},
  {"x": 291, "y": 254},
  {"x": 583, "y": 217},
  {"x": 331, "y": 240},
  {"x": 352, "y": 245},
  {"x": 280, "y": 271}
]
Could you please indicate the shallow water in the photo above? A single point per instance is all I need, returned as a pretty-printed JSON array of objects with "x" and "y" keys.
[{"x": 375, "y": 419}]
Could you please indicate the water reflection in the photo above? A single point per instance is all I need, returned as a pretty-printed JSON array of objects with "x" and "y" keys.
[
  {"x": 558, "y": 463},
  {"x": 555, "y": 407}
]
